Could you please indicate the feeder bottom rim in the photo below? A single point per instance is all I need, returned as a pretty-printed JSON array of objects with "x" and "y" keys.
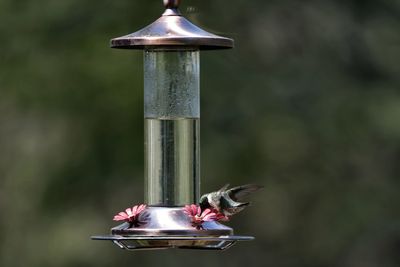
[{"x": 188, "y": 238}]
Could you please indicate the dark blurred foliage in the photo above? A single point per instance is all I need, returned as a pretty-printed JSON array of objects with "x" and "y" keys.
[{"x": 307, "y": 104}]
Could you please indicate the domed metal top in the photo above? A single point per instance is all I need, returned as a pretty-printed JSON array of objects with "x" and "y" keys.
[{"x": 172, "y": 30}]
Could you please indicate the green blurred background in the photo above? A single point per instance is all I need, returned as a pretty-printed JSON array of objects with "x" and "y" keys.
[{"x": 307, "y": 104}]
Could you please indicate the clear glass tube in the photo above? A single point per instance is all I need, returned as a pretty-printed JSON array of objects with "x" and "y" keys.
[{"x": 172, "y": 120}]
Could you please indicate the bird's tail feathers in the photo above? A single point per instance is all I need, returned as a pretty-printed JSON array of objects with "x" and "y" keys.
[{"x": 244, "y": 204}]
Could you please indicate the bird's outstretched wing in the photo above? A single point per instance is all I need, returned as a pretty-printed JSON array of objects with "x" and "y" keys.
[
  {"x": 240, "y": 192},
  {"x": 224, "y": 188}
]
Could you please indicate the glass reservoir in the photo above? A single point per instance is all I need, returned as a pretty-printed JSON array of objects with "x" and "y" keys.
[{"x": 172, "y": 118}]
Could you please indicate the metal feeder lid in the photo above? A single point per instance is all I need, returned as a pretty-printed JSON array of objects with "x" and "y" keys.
[{"x": 172, "y": 30}]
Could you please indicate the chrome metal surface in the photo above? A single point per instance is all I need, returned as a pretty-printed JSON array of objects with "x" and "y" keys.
[
  {"x": 172, "y": 30},
  {"x": 163, "y": 227},
  {"x": 190, "y": 238},
  {"x": 183, "y": 242},
  {"x": 161, "y": 221}
]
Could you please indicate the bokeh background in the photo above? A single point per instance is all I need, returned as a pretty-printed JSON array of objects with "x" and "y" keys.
[{"x": 307, "y": 104}]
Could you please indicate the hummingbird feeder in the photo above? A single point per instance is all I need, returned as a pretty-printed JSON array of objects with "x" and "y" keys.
[{"x": 171, "y": 48}]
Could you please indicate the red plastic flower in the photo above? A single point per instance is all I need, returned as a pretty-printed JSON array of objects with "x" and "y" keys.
[
  {"x": 131, "y": 215},
  {"x": 198, "y": 216}
]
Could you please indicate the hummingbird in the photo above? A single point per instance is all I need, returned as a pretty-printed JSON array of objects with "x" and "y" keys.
[{"x": 228, "y": 201}]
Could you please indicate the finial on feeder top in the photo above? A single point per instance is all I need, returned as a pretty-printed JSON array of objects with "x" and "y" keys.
[{"x": 173, "y": 4}]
